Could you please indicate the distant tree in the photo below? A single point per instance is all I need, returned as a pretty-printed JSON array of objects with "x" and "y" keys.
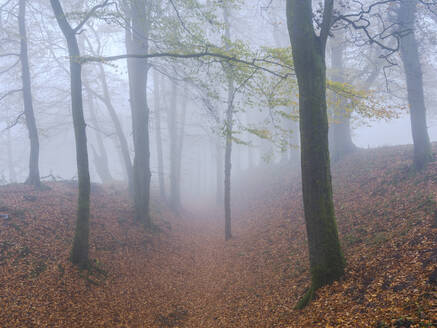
[
  {"x": 157, "y": 85},
  {"x": 33, "y": 178},
  {"x": 342, "y": 143},
  {"x": 228, "y": 127},
  {"x": 106, "y": 99},
  {"x": 326, "y": 258},
  {"x": 101, "y": 155},
  {"x": 176, "y": 127},
  {"x": 409, "y": 50},
  {"x": 136, "y": 37}
]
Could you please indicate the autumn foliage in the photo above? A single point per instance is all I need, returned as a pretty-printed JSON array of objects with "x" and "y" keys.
[{"x": 183, "y": 273}]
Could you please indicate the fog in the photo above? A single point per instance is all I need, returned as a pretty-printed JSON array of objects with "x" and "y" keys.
[{"x": 192, "y": 109}]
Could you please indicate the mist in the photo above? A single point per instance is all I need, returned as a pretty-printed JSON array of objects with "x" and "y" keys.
[{"x": 201, "y": 163}]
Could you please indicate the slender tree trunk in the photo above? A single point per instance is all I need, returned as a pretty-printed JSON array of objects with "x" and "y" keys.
[
  {"x": 33, "y": 178},
  {"x": 342, "y": 143},
  {"x": 124, "y": 147},
  {"x": 79, "y": 254},
  {"x": 180, "y": 146},
  {"x": 326, "y": 259},
  {"x": 157, "y": 103},
  {"x": 219, "y": 170},
  {"x": 173, "y": 134},
  {"x": 413, "y": 72},
  {"x": 100, "y": 157},
  {"x": 228, "y": 133},
  {"x": 137, "y": 43},
  {"x": 11, "y": 166}
]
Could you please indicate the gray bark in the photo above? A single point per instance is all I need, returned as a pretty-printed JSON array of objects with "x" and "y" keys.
[
  {"x": 409, "y": 50},
  {"x": 137, "y": 43},
  {"x": 326, "y": 259},
  {"x": 33, "y": 178},
  {"x": 79, "y": 254}
]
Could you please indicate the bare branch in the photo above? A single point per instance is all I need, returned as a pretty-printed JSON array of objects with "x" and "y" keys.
[
  {"x": 10, "y": 93},
  {"x": 90, "y": 14},
  {"x": 232, "y": 59}
]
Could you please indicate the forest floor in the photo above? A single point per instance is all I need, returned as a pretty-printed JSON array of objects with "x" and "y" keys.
[{"x": 183, "y": 274}]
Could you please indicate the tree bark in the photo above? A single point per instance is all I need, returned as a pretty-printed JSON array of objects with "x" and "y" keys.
[
  {"x": 326, "y": 258},
  {"x": 137, "y": 43},
  {"x": 33, "y": 178},
  {"x": 79, "y": 254},
  {"x": 157, "y": 85},
  {"x": 409, "y": 51}
]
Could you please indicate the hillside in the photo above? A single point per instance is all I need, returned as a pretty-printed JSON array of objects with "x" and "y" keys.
[{"x": 184, "y": 275}]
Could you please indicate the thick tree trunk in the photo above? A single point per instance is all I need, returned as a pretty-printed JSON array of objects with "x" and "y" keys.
[
  {"x": 326, "y": 259},
  {"x": 413, "y": 72},
  {"x": 137, "y": 43},
  {"x": 79, "y": 254},
  {"x": 33, "y": 178},
  {"x": 342, "y": 143},
  {"x": 157, "y": 102}
]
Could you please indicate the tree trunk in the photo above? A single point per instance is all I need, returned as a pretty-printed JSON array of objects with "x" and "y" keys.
[
  {"x": 181, "y": 137},
  {"x": 174, "y": 196},
  {"x": 326, "y": 259},
  {"x": 124, "y": 147},
  {"x": 342, "y": 143},
  {"x": 228, "y": 133},
  {"x": 137, "y": 43},
  {"x": 11, "y": 166},
  {"x": 409, "y": 51},
  {"x": 219, "y": 170},
  {"x": 79, "y": 254},
  {"x": 33, "y": 178},
  {"x": 100, "y": 157},
  {"x": 157, "y": 103}
]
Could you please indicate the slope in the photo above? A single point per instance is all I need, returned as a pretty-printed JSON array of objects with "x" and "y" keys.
[{"x": 184, "y": 274}]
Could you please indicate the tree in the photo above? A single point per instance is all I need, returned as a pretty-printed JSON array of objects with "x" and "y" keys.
[
  {"x": 107, "y": 101},
  {"x": 326, "y": 258},
  {"x": 228, "y": 129},
  {"x": 137, "y": 43},
  {"x": 33, "y": 177},
  {"x": 100, "y": 156},
  {"x": 342, "y": 143},
  {"x": 409, "y": 51},
  {"x": 79, "y": 253},
  {"x": 176, "y": 126},
  {"x": 157, "y": 104}
]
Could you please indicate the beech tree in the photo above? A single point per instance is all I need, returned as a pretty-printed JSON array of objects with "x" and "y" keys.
[
  {"x": 136, "y": 35},
  {"x": 342, "y": 143},
  {"x": 409, "y": 51},
  {"x": 33, "y": 178},
  {"x": 326, "y": 258},
  {"x": 228, "y": 129},
  {"x": 79, "y": 253}
]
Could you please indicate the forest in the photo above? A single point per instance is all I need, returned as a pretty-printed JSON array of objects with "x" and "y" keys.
[{"x": 218, "y": 163}]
